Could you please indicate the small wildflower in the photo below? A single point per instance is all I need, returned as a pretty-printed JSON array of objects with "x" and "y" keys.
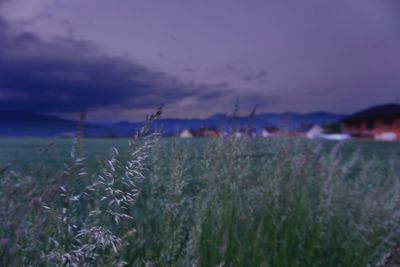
[{"x": 244, "y": 218}]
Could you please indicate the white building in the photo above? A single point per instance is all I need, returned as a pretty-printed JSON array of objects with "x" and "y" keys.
[
  {"x": 269, "y": 132},
  {"x": 314, "y": 132},
  {"x": 335, "y": 137},
  {"x": 386, "y": 136},
  {"x": 186, "y": 134}
]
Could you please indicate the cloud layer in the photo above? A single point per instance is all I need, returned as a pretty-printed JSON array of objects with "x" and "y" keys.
[
  {"x": 338, "y": 56},
  {"x": 67, "y": 75}
]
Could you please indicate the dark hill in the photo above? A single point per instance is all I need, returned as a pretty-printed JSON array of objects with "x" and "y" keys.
[{"x": 34, "y": 125}]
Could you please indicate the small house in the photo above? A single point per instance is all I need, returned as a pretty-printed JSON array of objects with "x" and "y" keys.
[
  {"x": 310, "y": 131},
  {"x": 186, "y": 134},
  {"x": 245, "y": 132},
  {"x": 314, "y": 132},
  {"x": 210, "y": 132},
  {"x": 269, "y": 132}
]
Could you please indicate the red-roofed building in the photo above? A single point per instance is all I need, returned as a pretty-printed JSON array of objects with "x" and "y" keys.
[{"x": 379, "y": 123}]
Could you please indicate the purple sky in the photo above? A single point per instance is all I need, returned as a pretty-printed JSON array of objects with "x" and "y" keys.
[{"x": 120, "y": 59}]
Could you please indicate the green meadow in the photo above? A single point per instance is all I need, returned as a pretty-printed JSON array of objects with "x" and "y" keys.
[
  {"x": 22, "y": 151},
  {"x": 154, "y": 201}
]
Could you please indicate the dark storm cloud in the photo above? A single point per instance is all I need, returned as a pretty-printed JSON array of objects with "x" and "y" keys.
[
  {"x": 67, "y": 75},
  {"x": 256, "y": 77}
]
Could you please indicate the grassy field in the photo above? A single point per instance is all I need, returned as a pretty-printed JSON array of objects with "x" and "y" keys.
[
  {"x": 23, "y": 151},
  {"x": 199, "y": 202}
]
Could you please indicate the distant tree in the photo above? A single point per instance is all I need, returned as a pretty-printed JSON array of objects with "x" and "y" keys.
[{"x": 333, "y": 127}]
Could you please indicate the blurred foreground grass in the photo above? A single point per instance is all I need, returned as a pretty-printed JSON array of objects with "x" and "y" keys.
[{"x": 199, "y": 202}]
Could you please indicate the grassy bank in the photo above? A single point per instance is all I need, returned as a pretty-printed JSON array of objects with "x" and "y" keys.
[{"x": 224, "y": 202}]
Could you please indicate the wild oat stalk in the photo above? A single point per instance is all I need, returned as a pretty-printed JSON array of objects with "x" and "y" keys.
[{"x": 93, "y": 237}]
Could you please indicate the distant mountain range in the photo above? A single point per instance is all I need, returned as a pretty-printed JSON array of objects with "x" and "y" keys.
[{"x": 27, "y": 124}]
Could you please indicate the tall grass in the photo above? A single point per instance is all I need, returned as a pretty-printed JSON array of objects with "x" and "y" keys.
[{"x": 233, "y": 202}]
